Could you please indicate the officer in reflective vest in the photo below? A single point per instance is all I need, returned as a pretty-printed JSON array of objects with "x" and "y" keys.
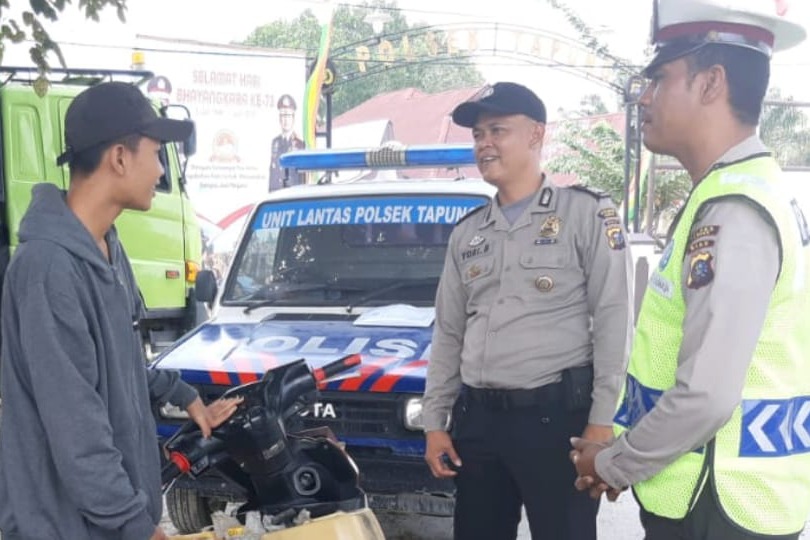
[{"x": 713, "y": 429}]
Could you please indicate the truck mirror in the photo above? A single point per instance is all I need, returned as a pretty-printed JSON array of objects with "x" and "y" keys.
[
  {"x": 190, "y": 144},
  {"x": 205, "y": 287}
]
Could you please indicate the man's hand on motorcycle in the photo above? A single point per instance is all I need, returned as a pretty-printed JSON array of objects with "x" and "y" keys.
[
  {"x": 438, "y": 445},
  {"x": 159, "y": 534},
  {"x": 211, "y": 416}
]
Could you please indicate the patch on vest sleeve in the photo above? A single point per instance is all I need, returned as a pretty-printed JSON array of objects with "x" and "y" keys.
[
  {"x": 701, "y": 271},
  {"x": 699, "y": 245},
  {"x": 704, "y": 232}
]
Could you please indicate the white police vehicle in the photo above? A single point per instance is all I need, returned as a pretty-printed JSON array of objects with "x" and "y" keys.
[{"x": 323, "y": 271}]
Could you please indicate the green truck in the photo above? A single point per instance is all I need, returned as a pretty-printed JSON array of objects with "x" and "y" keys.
[{"x": 163, "y": 244}]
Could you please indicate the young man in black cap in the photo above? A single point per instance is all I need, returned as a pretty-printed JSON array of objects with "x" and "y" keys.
[
  {"x": 533, "y": 321},
  {"x": 78, "y": 451},
  {"x": 714, "y": 427}
]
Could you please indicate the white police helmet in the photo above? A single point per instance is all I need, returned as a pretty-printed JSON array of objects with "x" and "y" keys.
[{"x": 681, "y": 27}]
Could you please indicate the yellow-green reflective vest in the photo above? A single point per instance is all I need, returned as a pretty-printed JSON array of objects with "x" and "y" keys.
[{"x": 759, "y": 461}]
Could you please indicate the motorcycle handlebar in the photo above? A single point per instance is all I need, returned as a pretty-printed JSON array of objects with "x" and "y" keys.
[
  {"x": 178, "y": 464},
  {"x": 169, "y": 472},
  {"x": 338, "y": 366}
]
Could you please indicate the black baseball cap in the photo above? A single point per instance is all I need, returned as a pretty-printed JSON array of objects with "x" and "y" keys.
[
  {"x": 504, "y": 99},
  {"x": 109, "y": 111}
]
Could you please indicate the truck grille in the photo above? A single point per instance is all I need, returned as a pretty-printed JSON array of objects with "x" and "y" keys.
[
  {"x": 356, "y": 415},
  {"x": 365, "y": 415}
]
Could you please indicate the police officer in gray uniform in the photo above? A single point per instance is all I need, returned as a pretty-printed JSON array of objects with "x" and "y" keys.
[{"x": 533, "y": 324}]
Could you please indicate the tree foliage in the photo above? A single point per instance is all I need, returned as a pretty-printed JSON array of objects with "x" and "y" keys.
[
  {"x": 786, "y": 130},
  {"x": 594, "y": 154},
  {"x": 414, "y": 63},
  {"x": 32, "y": 21},
  {"x": 623, "y": 68}
]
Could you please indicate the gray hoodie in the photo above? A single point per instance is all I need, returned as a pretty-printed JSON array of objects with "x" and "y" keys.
[{"x": 79, "y": 457}]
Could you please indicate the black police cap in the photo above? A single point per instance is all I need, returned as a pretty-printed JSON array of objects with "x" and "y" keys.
[{"x": 502, "y": 99}]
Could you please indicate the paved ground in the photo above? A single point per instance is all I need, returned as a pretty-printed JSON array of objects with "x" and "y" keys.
[{"x": 617, "y": 521}]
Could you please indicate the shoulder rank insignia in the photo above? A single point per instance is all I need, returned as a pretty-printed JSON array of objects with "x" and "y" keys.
[
  {"x": 704, "y": 232},
  {"x": 472, "y": 213},
  {"x": 607, "y": 213},
  {"x": 593, "y": 192},
  {"x": 701, "y": 272}
]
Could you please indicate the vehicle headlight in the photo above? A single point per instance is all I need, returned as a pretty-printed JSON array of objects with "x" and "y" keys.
[
  {"x": 175, "y": 413},
  {"x": 413, "y": 414}
]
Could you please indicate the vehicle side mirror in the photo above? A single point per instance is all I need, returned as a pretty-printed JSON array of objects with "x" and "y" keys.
[
  {"x": 190, "y": 143},
  {"x": 205, "y": 287}
]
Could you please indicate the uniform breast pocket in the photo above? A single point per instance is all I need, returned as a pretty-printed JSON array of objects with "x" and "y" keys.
[
  {"x": 543, "y": 274},
  {"x": 477, "y": 277},
  {"x": 476, "y": 270}
]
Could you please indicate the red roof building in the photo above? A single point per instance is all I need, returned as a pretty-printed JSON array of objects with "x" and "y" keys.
[{"x": 419, "y": 118}]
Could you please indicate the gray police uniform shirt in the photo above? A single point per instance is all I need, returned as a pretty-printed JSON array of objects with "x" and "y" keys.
[
  {"x": 519, "y": 303},
  {"x": 720, "y": 331}
]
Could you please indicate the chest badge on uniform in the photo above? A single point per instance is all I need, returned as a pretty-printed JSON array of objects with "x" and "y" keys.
[
  {"x": 550, "y": 227},
  {"x": 549, "y": 231},
  {"x": 544, "y": 283},
  {"x": 477, "y": 240},
  {"x": 701, "y": 271},
  {"x": 615, "y": 237},
  {"x": 473, "y": 271}
]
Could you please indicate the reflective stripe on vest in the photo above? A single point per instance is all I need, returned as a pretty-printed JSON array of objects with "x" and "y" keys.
[{"x": 760, "y": 460}]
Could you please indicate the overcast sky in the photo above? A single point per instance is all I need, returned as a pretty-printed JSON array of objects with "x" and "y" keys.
[{"x": 626, "y": 30}]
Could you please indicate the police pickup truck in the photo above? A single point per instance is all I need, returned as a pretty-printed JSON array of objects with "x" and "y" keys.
[{"x": 322, "y": 271}]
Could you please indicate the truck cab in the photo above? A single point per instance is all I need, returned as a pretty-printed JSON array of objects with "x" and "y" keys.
[
  {"x": 322, "y": 271},
  {"x": 163, "y": 244}
]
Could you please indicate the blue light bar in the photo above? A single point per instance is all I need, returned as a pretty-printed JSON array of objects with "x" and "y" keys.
[{"x": 433, "y": 155}]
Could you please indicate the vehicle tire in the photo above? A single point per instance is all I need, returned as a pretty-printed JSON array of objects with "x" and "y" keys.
[{"x": 189, "y": 511}]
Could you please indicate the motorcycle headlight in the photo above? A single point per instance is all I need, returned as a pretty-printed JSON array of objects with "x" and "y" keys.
[
  {"x": 413, "y": 414},
  {"x": 172, "y": 412}
]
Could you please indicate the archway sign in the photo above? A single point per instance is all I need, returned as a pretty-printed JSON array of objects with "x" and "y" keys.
[{"x": 442, "y": 43}]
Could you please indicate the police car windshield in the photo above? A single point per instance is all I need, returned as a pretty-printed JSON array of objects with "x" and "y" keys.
[{"x": 335, "y": 252}]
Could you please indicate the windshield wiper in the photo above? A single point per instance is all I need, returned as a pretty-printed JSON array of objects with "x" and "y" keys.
[
  {"x": 279, "y": 294},
  {"x": 399, "y": 284}
]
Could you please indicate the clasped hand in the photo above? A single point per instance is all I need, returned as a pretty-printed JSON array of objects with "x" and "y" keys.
[{"x": 583, "y": 456}]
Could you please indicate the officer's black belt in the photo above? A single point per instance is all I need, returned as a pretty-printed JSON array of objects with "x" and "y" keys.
[{"x": 500, "y": 399}]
